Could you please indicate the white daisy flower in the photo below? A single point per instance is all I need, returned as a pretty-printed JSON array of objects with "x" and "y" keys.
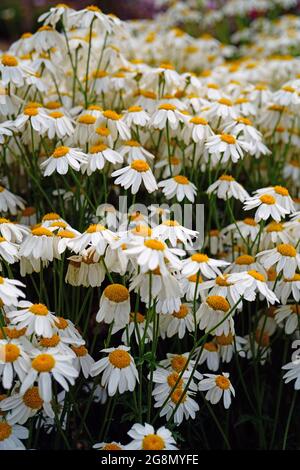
[
  {"x": 84, "y": 18},
  {"x": 45, "y": 367},
  {"x": 8, "y": 251},
  {"x": 14, "y": 360},
  {"x": 110, "y": 446},
  {"x": 144, "y": 437},
  {"x": 39, "y": 245},
  {"x": 59, "y": 125},
  {"x": 249, "y": 282},
  {"x": 136, "y": 115},
  {"x": 133, "y": 175},
  {"x": 226, "y": 147},
  {"x": 118, "y": 370},
  {"x": 201, "y": 263},
  {"x": 10, "y": 292},
  {"x": 186, "y": 406},
  {"x": 12, "y": 71},
  {"x": 177, "y": 323},
  {"x": 210, "y": 354},
  {"x": 180, "y": 187},
  {"x": 226, "y": 187},
  {"x": 114, "y": 305},
  {"x": 216, "y": 387},
  {"x": 133, "y": 150},
  {"x": 116, "y": 124},
  {"x": 96, "y": 235},
  {"x": 12, "y": 231},
  {"x": 267, "y": 206},
  {"x": 166, "y": 113},
  {"x": 98, "y": 155},
  {"x": 284, "y": 258},
  {"x": 36, "y": 318},
  {"x": 289, "y": 286},
  {"x": 12, "y": 435},
  {"x": 213, "y": 316},
  {"x": 197, "y": 129},
  {"x": 83, "y": 360},
  {"x": 61, "y": 159}
]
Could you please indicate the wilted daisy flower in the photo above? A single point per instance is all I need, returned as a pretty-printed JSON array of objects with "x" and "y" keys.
[
  {"x": 116, "y": 124},
  {"x": 133, "y": 150},
  {"x": 55, "y": 14},
  {"x": 119, "y": 370},
  {"x": 144, "y": 437},
  {"x": 267, "y": 206},
  {"x": 12, "y": 435},
  {"x": 61, "y": 159},
  {"x": 46, "y": 366},
  {"x": 9, "y": 202},
  {"x": 36, "y": 318},
  {"x": 214, "y": 316},
  {"x": 201, "y": 263},
  {"x": 226, "y": 187},
  {"x": 216, "y": 387},
  {"x": 114, "y": 305},
  {"x": 110, "y": 446},
  {"x": 136, "y": 115},
  {"x": 210, "y": 354},
  {"x": 84, "y": 18},
  {"x": 166, "y": 114},
  {"x": 180, "y": 187},
  {"x": 12, "y": 231},
  {"x": 133, "y": 175}
]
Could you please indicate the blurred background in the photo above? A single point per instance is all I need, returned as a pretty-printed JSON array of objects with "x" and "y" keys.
[{"x": 19, "y": 16}]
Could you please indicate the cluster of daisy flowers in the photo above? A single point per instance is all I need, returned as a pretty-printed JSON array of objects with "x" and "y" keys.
[{"x": 133, "y": 309}]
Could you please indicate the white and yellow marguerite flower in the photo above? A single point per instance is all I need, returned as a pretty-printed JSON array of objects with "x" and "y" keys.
[
  {"x": 283, "y": 257},
  {"x": 200, "y": 263},
  {"x": 36, "y": 318},
  {"x": 10, "y": 291},
  {"x": 227, "y": 187},
  {"x": 14, "y": 360},
  {"x": 114, "y": 305},
  {"x": 9, "y": 202},
  {"x": 118, "y": 370},
  {"x": 61, "y": 159},
  {"x": 178, "y": 186},
  {"x": 217, "y": 386},
  {"x": 144, "y": 437},
  {"x": 11, "y": 436},
  {"x": 133, "y": 175},
  {"x": 215, "y": 315}
]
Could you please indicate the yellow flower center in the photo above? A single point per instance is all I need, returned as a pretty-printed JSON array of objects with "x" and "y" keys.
[
  {"x": 51, "y": 216},
  {"x": 32, "y": 399},
  {"x": 245, "y": 121},
  {"x": 274, "y": 227},
  {"x": 142, "y": 230},
  {"x": 119, "y": 358},
  {"x": 245, "y": 260},
  {"x": 182, "y": 312},
  {"x": 229, "y": 139},
  {"x": 267, "y": 199},
  {"x": 171, "y": 223},
  {"x": 60, "y": 152},
  {"x": 175, "y": 161},
  {"x": 295, "y": 278},
  {"x": 154, "y": 245},
  {"x": 211, "y": 347},
  {"x": 116, "y": 293},
  {"x": 140, "y": 165},
  {"x": 167, "y": 107},
  {"x": 256, "y": 275},
  {"x": 199, "y": 121},
  {"x": 222, "y": 382},
  {"x": 181, "y": 179},
  {"x": 2, "y": 239},
  {"x": 5, "y": 431},
  {"x": 178, "y": 396},
  {"x": 103, "y": 131},
  {"x": 56, "y": 114},
  {"x": 93, "y": 8},
  {"x": 132, "y": 143},
  {"x": 137, "y": 317},
  {"x": 50, "y": 342},
  {"x": 4, "y": 221},
  {"x": 135, "y": 109},
  {"x": 1, "y": 280},
  {"x": 281, "y": 190},
  {"x": 80, "y": 351},
  {"x": 217, "y": 302},
  {"x": 87, "y": 119},
  {"x": 178, "y": 363},
  {"x": 12, "y": 333},
  {"x": 43, "y": 363},
  {"x": 31, "y": 111},
  {"x": 289, "y": 89},
  {"x": 52, "y": 105},
  {"x": 223, "y": 340},
  {"x": 39, "y": 309},
  {"x": 95, "y": 228},
  {"x": 11, "y": 352},
  {"x": 99, "y": 74},
  {"x": 287, "y": 250},
  {"x": 109, "y": 114},
  {"x": 225, "y": 101},
  {"x": 153, "y": 442},
  {"x": 200, "y": 258},
  {"x": 226, "y": 178},
  {"x": 172, "y": 380},
  {"x": 221, "y": 281},
  {"x": 41, "y": 231},
  {"x": 98, "y": 148},
  {"x": 9, "y": 61},
  {"x": 61, "y": 323},
  {"x": 194, "y": 277}
]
